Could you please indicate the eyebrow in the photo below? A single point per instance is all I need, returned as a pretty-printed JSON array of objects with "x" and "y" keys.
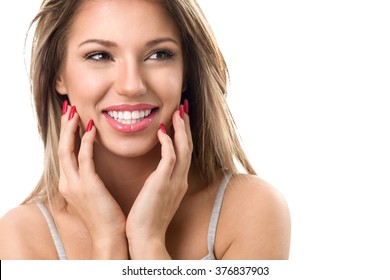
[
  {"x": 111, "y": 44},
  {"x": 104, "y": 43},
  {"x": 161, "y": 40}
]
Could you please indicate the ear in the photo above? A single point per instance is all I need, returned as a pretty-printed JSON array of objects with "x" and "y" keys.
[{"x": 61, "y": 85}]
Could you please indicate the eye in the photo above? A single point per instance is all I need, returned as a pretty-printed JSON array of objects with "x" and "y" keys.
[
  {"x": 99, "y": 56},
  {"x": 161, "y": 55}
]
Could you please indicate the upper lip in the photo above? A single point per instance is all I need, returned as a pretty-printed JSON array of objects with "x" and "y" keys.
[{"x": 129, "y": 107}]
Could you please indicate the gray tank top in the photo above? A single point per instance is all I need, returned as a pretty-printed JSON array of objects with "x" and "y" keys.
[
  {"x": 53, "y": 230},
  {"x": 210, "y": 236}
]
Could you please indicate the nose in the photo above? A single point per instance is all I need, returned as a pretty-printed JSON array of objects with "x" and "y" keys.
[{"x": 130, "y": 79}]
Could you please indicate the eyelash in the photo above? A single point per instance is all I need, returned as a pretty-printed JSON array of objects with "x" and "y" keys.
[
  {"x": 108, "y": 57},
  {"x": 90, "y": 56},
  {"x": 167, "y": 55}
]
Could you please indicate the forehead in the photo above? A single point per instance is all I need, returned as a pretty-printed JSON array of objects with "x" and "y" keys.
[{"x": 122, "y": 20}]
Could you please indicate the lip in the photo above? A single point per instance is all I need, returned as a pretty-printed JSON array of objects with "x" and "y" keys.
[
  {"x": 130, "y": 128},
  {"x": 128, "y": 107}
]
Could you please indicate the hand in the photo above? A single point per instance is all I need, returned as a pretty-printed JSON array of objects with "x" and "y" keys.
[
  {"x": 161, "y": 194},
  {"x": 83, "y": 189}
]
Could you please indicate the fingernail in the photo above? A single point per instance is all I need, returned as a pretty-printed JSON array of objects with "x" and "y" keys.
[
  {"x": 89, "y": 126},
  {"x": 64, "y": 107},
  {"x": 182, "y": 112},
  {"x": 163, "y": 129},
  {"x": 71, "y": 113},
  {"x": 186, "y": 106}
]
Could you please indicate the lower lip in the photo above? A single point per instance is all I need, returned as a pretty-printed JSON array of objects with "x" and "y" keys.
[{"x": 130, "y": 128}]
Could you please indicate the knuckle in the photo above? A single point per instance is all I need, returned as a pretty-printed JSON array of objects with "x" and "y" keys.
[
  {"x": 61, "y": 152},
  {"x": 181, "y": 187},
  {"x": 184, "y": 187},
  {"x": 83, "y": 152},
  {"x": 82, "y": 156},
  {"x": 63, "y": 189},
  {"x": 171, "y": 159},
  {"x": 187, "y": 150}
]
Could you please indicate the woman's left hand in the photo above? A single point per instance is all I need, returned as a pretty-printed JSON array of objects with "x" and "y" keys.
[{"x": 161, "y": 194}]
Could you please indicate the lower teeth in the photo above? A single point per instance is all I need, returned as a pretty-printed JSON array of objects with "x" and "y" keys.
[{"x": 128, "y": 121}]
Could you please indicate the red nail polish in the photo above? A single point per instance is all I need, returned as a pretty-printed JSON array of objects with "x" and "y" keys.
[
  {"x": 89, "y": 126},
  {"x": 71, "y": 113},
  {"x": 64, "y": 107},
  {"x": 163, "y": 129},
  {"x": 181, "y": 111},
  {"x": 186, "y": 106}
]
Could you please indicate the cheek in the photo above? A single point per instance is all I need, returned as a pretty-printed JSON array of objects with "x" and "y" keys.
[
  {"x": 85, "y": 86},
  {"x": 167, "y": 84}
]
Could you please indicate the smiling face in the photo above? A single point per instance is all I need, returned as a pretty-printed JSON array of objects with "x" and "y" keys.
[{"x": 124, "y": 69}]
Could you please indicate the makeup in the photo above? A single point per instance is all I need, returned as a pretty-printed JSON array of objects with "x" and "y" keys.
[
  {"x": 89, "y": 126},
  {"x": 130, "y": 118},
  {"x": 186, "y": 106},
  {"x": 181, "y": 110},
  {"x": 64, "y": 107},
  {"x": 71, "y": 113},
  {"x": 163, "y": 128}
]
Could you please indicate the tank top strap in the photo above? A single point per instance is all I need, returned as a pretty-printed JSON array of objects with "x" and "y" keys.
[
  {"x": 53, "y": 230},
  {"x": 215, "y": 216}
]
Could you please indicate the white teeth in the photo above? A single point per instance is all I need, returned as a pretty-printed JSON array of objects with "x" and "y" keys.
[{"x": 127, "y": 117}]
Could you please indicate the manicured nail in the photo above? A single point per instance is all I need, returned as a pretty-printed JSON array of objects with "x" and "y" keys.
[
  {"x": 89, "y": 126},
  {"x": 71, "y": 113},
  {"x": 182, "y": 112},
  {"x": 163, "y": 129},
  {"x": 64, "y": 107},
  {"x": 186, "y": 106}
]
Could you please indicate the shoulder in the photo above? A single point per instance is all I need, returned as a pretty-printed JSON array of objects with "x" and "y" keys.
[
  {"x": 24, "y": 234},
  {"x": 257, "y": 219},
  {"x": 252, "y": 192}
]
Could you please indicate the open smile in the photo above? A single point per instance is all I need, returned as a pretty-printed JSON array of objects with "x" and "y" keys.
[{"x": 130, "y": 118}]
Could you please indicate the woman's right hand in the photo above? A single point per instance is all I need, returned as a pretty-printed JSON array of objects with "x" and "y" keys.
[{"x": 83, "y": 189}]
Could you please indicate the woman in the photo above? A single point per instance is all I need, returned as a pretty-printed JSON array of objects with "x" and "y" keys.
[{"x": 140, "y": 147}]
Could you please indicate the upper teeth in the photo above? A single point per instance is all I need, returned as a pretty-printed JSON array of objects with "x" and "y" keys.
[{"x": 126, "y": 116}]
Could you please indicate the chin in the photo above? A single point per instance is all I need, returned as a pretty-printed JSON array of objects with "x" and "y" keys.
[{"x": 130, "y": 148}]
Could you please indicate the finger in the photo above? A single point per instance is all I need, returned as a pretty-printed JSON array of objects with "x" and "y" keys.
[
  {"x": 65, "y": 111},
  {"x": 85, "y": 157},
  {"x": 66, "y": 147},
  {"x": 186, "y": 106},
  {"x": 188, "y": 132},
  {"x": 181, "y": 145},
  {"x": 168, "y": 157}
]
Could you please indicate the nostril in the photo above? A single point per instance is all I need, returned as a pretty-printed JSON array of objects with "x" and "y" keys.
[{"x": 130, "y": 80}]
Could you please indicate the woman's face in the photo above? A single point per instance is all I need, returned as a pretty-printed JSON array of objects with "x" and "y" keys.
[{"x": 124, "y": 69}]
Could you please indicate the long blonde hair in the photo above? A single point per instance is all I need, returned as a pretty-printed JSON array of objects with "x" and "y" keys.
[{"x": 216, "y": 145}]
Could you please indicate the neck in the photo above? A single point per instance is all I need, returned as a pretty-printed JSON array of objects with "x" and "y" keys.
[{"x": 125, "y": 177}]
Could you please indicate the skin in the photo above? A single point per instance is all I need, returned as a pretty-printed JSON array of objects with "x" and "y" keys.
[{"x": 135, "y": 195}]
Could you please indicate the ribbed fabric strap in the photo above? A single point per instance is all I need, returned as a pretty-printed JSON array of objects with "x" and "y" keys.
[
  {"x": 53, "y": 230},
  {"x": 215, "y": 217}
]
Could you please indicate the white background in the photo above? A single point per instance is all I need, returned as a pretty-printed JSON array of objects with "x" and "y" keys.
[{"x": 310, "y": 95}]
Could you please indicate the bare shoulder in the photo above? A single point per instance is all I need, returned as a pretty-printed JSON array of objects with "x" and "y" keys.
[
  {"x": 24, "y": 234},
  {"x": 256, "y": 218}
]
